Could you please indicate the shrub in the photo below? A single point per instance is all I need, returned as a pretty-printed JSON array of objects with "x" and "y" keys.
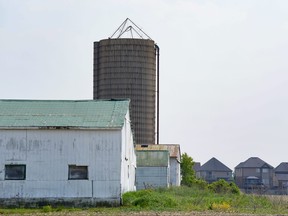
[
  {"x": 47, "y": 208},
  {"x": 149, "y": 199},
  {"x": 155, "y": 201},
  {"x": 234, "y": 189},
  {"x": 129, "y": 197},
  {"x": 200, "y": 183},
  {"x": 222, "y": 186}
]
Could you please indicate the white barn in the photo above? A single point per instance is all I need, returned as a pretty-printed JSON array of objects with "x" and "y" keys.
[{"x": 76, "y": 152}]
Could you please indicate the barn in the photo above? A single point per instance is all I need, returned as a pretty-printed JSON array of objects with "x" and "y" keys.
[
  {"x": 153, "y": 169},
  {"x": 66, "y": 152},
  {"x": 157, "y": 158}
]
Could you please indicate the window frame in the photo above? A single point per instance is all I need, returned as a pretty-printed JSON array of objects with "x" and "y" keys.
[
  {"x": 22, "y": 177},
  {"x": 73, "y": 167}
]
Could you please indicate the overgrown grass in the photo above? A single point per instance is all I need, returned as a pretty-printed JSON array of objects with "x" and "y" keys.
[
  {"x": 195, "y": 199},
  {"x": 181, "y": 199}
]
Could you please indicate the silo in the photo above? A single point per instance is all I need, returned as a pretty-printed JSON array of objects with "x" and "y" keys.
[{"x": 126, "y": 68}]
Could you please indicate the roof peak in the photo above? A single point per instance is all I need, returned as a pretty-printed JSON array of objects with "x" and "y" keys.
[
  {"x": 215, "y": 165},
  {"x": 128, "y": 26}
]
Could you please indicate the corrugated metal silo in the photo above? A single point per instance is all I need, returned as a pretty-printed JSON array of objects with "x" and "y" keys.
[{"x": 126, "y": 68}]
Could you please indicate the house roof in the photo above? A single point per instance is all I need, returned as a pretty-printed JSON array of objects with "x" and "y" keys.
[
  {"x": 214, "y": 165},
  {"x": 253, "y": 162},
  {"x": 174, "y": 149},
  {"x": 63, "y": 113},
  {"x": 196, "y": 166},
  {"x": 282, "y": 168}
]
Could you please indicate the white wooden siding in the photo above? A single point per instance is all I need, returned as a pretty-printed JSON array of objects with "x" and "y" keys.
[
  {"x": 47, "y": 154},
  {"x": 128, "y": 158},
  {"x": 174, "y": 172}
]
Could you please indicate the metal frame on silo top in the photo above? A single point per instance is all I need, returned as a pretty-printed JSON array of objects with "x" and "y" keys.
[{"x": 126, "y": 68}]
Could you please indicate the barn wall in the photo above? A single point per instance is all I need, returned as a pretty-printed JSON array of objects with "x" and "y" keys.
[
  {"x": 153, "y": 169},
  {"x": 175, "y": 177},
  {"x": 128, "y": 158},
  {"x": 152, "y": 177},
  {"x": 47, "y": 154}
]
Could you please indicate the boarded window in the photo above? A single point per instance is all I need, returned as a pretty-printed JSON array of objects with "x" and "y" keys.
[
  {"x": 15, "y": 172},
  {"x": 77, "y": 172}
]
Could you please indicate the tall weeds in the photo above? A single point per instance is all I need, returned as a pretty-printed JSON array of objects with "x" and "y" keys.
[{"x": 199, "y": 199}]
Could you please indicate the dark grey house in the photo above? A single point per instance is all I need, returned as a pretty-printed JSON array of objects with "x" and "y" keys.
[
  {"x": 213, "y": 170},
  {"x": 196, "y": 166},
  {"x": 254, "y": 167},
  {"x": 281, "y": 175}
]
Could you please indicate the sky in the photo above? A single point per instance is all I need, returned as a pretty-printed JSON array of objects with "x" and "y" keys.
[{"x": 223, "y": 66}]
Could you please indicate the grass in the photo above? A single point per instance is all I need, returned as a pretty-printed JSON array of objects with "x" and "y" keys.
[
  {"x": 180, "y": 199},
  {"x": 194, "y": 199}
]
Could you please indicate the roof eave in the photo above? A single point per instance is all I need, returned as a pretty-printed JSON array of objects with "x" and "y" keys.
[{"x": 59, "y": 128}]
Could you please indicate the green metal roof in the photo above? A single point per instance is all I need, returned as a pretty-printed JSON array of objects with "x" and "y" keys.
[{"x": 63, "y": 113}]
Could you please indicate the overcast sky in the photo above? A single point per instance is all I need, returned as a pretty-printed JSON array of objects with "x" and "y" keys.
[{"x": 223, "y": 66}]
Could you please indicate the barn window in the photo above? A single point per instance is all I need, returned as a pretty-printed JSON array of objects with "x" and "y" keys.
[
  {"x": 77, "y": 172},
  {"x": 15, "y": 172}
]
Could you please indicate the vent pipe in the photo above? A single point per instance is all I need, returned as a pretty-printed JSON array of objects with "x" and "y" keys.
[{"x": 157, "y": 49}]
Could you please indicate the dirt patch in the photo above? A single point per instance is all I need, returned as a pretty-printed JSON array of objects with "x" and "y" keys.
[{"x": 86, "y": 213}]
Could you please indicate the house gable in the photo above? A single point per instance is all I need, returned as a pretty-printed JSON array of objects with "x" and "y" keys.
[
  {"x": 214, "y": 165},
  {"x": 253, "y": 162},
  {"x": 282, "y": 168}
]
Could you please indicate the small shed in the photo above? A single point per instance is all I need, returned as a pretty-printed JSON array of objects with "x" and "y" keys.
[
  {"x": 175, "y": 159},
  {"x": 152, "y": 169},
  {"x": 76, "y": 152}
]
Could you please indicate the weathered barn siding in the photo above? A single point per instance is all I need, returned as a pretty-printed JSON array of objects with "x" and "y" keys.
[
  {"x": 153, "y": 169},
  {"x": 175, "y": 175},
  {"x": 175, "y": 158},
  {"x": 47, "y": 154},
  {"x": 152, "y": 177},
  {"x": 128, "y": 158}
]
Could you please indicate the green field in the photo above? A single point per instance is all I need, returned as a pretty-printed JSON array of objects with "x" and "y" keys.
[{"x": 176, "y": 201}]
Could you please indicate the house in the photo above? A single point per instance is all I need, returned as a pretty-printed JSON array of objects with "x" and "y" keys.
[
  {"x": 213, "y": 170},
  {"x": 174, "y": 160},
  {"x": 251, "y": 168},
  {"x": 77, "y": 152},
  {"x": 153, "y": 169},
  {"x": 281, "y": 175},
  {"x": 196, "y": 166}
]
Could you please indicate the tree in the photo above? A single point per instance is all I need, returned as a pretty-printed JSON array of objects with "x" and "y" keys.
[{"x": 187, "y": 171}]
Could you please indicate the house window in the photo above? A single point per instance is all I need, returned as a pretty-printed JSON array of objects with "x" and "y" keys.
[
  {"x": 15, "y": 172},
  {"x": 257, "y": 170},
  {"x": 265, "y": 170},
  {"x": 77, "y": 172}
]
